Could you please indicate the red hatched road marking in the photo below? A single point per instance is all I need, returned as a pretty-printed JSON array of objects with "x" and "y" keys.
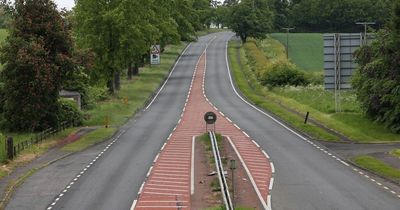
[{"x": 168, "y": 185}]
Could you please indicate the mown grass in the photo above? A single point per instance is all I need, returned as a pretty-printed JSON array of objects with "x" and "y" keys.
[
  {"x": 90, "y": 139},
  {"x": 395, "y": 152},
  {"x": 260, "y": 96},
  {"x": 305, "y": 49},
  {"x": 136, "y": 92},
  {"x": 377, "y": 166}
]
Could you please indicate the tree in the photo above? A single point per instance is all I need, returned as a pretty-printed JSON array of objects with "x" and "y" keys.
[
  {"x": 98, "y": 28},
  {"x": 4, "y": 17},
  {"x": 377, "y": 80},
  {"x": 336, "y": 16},
  {"x": 251, "y": 18},
  {"x": 36, "y": 58}
]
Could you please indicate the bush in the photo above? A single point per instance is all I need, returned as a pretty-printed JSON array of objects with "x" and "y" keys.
[
  {"x": 95, "y": 94},
  {"x": 69, "y": 112},
  {"x": 283, "y": 73}
]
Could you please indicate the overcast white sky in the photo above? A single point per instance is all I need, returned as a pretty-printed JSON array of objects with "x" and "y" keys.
[{"x": 65, "y": 3}]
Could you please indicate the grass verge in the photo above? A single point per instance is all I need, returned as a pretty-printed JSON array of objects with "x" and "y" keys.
[
  {"x": 395, "y": 153},
  {"x": 378, "y": 167},
  {"x": 33, "y": 152},
  {"x": 90, "y": 139},
  {"x": 135, "y": 92},
  {"x": 257, "y": 94},
  {"x": 319, "y": 102}
]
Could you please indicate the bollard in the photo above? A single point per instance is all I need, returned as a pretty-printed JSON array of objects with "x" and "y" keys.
[
  {"x": 306, "y": 119},
  {"x": 10, "y": 148}
]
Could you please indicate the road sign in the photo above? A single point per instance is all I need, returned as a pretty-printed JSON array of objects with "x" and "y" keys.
[
  {"x": 155, "y": 51},
  {"x": 210, "y": 117}
]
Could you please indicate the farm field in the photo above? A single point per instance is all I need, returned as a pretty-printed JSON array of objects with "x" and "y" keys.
[{"x": 305, "y": 49}]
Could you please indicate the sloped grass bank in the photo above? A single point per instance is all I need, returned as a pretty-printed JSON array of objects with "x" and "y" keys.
[
  {"x": 247, "y": 82},
  {"x": 321, "y": 104}
]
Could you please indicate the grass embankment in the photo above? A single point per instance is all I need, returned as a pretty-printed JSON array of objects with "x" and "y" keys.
[
  {"x": 32, "y": 152},
  {"x": 260, "y": 96},
  {"x": 135, "y": 92},
  {"x": 395, "y": 152},
  {"x": 132, "y": 96},
  {"x": 321, "y": 105},
  {"x": 305, "y": 49},
  {"x": 377, "y": 166}
]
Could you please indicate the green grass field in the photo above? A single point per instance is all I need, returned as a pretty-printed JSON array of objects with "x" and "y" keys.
[
  {"x": 305, "y": 49},
  {"x": 395, "y": 152}
]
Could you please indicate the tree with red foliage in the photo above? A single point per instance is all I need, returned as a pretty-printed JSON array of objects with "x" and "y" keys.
[{"x": 36, "y": 58}]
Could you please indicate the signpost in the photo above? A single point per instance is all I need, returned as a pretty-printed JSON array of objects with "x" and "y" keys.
[
  {"x": 339, "y": 64},
  {"x": 210, "y": 118},
  {"x": 155, "y": 51}
]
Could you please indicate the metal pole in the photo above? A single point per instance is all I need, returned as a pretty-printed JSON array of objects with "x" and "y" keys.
[
  {"x": 287, "y": 41},
  {"x": 365, "y": 29}
]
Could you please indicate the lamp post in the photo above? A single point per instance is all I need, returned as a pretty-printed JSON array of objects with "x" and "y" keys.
[
  {"x": 287, "y": 40},
  {"x": 365, "y": 29}
]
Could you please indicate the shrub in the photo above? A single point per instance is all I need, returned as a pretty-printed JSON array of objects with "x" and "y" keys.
[
  {"x": 95, "y": 94},
  {"x": 283, "y": 73},
  {"x": 69, "y": 112}
]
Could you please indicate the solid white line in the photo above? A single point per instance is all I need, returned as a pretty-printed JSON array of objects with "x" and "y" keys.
[
  {"x": 247, "y": 135},
  {"x": 141, "y": 188},
  {"x": 271, "y": 183},
  {"x": 272, "y": 167},
  {"x": 250, "y": 176},
  {"x": 266, "y": 154},
  {"x": 156, "y": 158},
  {"x": 148, "y": 173},
  {"x": 192, "y": 167},
  {"x": 254, "y": 107},
  {"x": 269, "y": 201},
  {"x": 133, "y": 204},
  {"x": 255, "y": 143},
  {"x": 173, "y": 69},
  {"x": 162, "y": 148}
]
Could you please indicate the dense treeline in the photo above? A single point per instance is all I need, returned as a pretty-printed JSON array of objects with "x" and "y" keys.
[
  {"x": 377, "y": 81},
  {"x": 255, "y": 17},
  {"x": 84, "y": 50},
  {"x": 335, "y": 16}
]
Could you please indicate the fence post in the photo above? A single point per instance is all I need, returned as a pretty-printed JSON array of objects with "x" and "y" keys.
[{"x": 10, "y": 148}]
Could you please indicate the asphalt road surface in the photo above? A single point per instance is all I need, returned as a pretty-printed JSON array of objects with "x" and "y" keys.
[
  {"x": 114, "y": 180},
  {"x": 306, "y": 177}
]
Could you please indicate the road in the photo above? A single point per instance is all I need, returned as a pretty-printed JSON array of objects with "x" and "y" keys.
[
  {"x": 114, "y": 180},
  {"x": 305, "y": 178}
]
